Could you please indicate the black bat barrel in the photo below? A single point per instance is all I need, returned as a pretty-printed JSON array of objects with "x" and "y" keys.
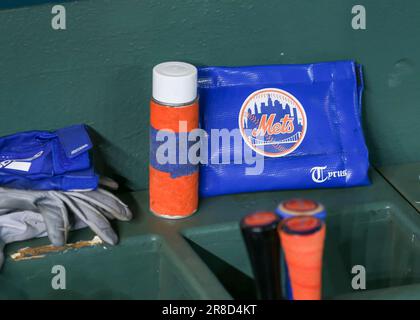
[{"x": 259, "y": 231}]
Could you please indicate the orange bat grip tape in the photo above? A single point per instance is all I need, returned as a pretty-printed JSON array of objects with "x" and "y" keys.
[{"x": 304, "y": 259}]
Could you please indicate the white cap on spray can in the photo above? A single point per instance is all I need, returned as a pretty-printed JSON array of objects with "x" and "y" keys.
[{"x": 174, "y": 83}]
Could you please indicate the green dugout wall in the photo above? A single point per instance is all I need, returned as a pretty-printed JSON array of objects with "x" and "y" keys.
[{"x": 98, "y": 70}]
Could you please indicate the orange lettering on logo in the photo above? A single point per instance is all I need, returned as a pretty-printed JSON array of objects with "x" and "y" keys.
[
  {"x": 287, "y": 124},
  {"x": 268, "y": 126},
  {"x": 264, "y": 125}
]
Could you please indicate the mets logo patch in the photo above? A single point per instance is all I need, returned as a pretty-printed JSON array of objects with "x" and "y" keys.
[{"x": 272, "y": 122}]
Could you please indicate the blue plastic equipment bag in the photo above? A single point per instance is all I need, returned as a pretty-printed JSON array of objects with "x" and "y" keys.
[
  {"x": 44, "y": 160},
  {"x": 302, "y": 123}
]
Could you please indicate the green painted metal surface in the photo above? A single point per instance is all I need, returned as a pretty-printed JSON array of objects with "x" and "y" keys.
[
  {"x": 98, "y": 71},
  {"x": 139, "y": 275},
  {"x": 406, "y": 179},
  {"x": 370, "y": 235},
  {"x": 204, "y": 256}
]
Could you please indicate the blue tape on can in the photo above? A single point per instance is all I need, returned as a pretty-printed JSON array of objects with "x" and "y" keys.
[{"x": 178, "y": 163}]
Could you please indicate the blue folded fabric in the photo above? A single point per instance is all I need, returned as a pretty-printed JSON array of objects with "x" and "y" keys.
[
  {"x": 43, "y": 160},
  {"x": 303, "y": 121},
  {"x": 83, "y": 180}
]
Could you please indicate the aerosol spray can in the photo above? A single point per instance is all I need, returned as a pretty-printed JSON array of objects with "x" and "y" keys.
[{"x": 173, "y": 178}]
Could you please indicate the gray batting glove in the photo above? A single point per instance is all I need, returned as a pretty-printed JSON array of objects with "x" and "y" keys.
[
  {"x": 45, "y": 203},
  {"x": 95, "y": 208},
  {"x": 91, "y": 207},
  {"x": 24, "y": 225},
  {"x": 19, "y": 226}
]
